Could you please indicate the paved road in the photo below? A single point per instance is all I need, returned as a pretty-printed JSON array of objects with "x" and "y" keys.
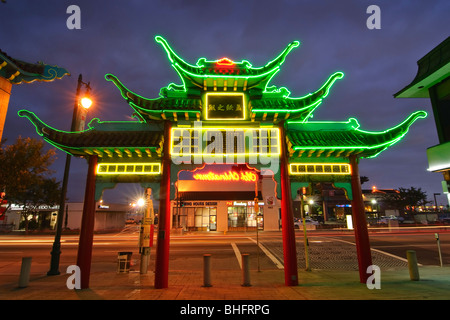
[{"x": 326, "y": 250}]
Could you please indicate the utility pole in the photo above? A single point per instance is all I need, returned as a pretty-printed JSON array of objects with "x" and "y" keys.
[{"x": 146, "y": 233}]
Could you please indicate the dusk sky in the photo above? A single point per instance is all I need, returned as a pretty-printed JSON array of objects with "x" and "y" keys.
[{"x": 118, "y": 37}]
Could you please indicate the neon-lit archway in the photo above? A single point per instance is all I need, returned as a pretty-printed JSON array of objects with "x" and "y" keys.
[{"x": 226, "y": 112}]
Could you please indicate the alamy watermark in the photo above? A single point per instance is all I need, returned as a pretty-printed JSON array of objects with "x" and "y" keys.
[
  {"x": 374, "y": 280},
  {"x": 74, "y": 20},
  {"x": 74, "y": 281},
  {"x": 374, "y": 20}
]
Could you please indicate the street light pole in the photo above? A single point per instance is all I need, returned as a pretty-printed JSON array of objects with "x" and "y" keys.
[
  {"x": 56, "y": 249},
  {"x": 435, "y": 202}
]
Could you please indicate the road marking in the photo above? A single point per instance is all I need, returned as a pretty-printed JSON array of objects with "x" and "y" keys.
[
  {"x": 269, "y": 255},
  {"x": 237, "y": 253},
  {"x": 379, "y": 251}
]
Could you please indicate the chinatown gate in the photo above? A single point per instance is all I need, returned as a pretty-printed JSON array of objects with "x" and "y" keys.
[{"x": 223, "y": 113}]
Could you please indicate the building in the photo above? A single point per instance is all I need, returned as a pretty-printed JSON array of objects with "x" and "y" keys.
[
  {"x": 15, "y": 71},
  {"x": 432, "y": 81},
  {"x": 108, "y": 218}
]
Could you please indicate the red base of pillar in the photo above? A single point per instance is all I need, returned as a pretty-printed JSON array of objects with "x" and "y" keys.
[
  {"x": 162, "y": 251},
  {"x": 360, "y": 224},
  {"x": 87, "y": 226},
  {"x": 287, "y": 220}
]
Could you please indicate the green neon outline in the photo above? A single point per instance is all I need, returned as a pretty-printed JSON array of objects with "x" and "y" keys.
[
  {"x": 40, "y": 126},
  {"x": 405, "y": 125},
  {"x": 313, "y": 105},
  {"x": 353, "y": 123},
  {"x": 177, "y": 61},
  {"x": 181, "y": 67},
  {"x": 124, "y": 90}
]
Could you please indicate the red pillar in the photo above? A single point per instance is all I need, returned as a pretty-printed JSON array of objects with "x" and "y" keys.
[
  {"x": 87, "y": 225},
  {"x": 162, "y": 249},
  {"x": 360, "y": 223},
  {"x": 287, "y": 218}
]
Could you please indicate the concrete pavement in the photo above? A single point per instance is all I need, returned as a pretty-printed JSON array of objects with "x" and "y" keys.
[
  {"x": 334, "y": 276},
  {"x": 106, "y": 284}
]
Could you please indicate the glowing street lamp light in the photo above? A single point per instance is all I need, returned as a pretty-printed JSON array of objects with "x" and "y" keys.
[
  {"x": 82, "y": 106},
  {"x": 86, "y": 102},
  {"x": 141, "y": 202}
]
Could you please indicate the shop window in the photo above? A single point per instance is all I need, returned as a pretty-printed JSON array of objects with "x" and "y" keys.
[{"x": 243, "y": 217}]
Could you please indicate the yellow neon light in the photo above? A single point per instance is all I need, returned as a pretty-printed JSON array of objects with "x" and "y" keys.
[
  {"x": 320, "y": 168},
  {"x": 244, "y": 106},
  {"x": 262, "y": 139},
  {"x": 129, "y": 168}
]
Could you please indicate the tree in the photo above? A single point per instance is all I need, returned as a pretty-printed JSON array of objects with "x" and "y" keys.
[
  {"x": 24, "y": 175},
  {"x": 363, "y": 179},
  {"x": 406, "y": 199}
]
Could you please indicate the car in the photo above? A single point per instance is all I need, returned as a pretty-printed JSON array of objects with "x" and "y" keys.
[
  {"x": 386, "y": 219},
  {"x": 298, "y": 223}
]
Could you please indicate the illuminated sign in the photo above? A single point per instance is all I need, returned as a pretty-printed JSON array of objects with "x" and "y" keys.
[
  {"x": 225, "y": 141},
  {"x": 197, "y": 203},
  {"x": 319, "y": 168},
  {"x": 129, "y": 168},
  {"x": 244, "y": 176},
  {"x": 224, "y": 106}
]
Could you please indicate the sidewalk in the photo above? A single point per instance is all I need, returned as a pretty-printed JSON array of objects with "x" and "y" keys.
[
  {"x": 434, "y": 284},
  {"x": 334, "y": 276}
]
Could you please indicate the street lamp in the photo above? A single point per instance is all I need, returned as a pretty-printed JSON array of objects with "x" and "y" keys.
[
  {"x": 141, "y": 202},
  {"x": 78, "y": 121},
  {"x": 435, "y": 202}
]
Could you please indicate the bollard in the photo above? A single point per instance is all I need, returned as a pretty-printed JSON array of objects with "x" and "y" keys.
[
  {"x": 207, "y": 270},
  {"x": 25, "y": 272},
  {"x": 245, "y": 270},
  {"x": 412, "y": 265}
]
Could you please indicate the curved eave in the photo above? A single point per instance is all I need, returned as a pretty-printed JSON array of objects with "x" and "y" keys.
[
  {"x": 343, "y": 143},
  {"x": 242, "y": 75},
  {"x": 116, "y": 143},
  {"x": 17, "y": 75},
  {"x": 432, "y": 69},
  {"x": 226, "y": 82},
  {"x": 276, "y": 105},
  {"x": 281, "y": 109},
  {"x": 160, "y": 108}
]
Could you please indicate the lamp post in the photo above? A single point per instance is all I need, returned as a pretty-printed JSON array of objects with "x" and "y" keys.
[
  {"x": 77, "y": 125},
  {"x": 435, "y": 202}
]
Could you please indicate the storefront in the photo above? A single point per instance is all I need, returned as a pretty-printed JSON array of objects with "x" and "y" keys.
[
  {"x": 222, "y": 198},
  {"x": 196, "y": 215}
]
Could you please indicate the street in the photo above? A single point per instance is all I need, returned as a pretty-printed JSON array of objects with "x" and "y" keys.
[{"x": 327, "y": 250}]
